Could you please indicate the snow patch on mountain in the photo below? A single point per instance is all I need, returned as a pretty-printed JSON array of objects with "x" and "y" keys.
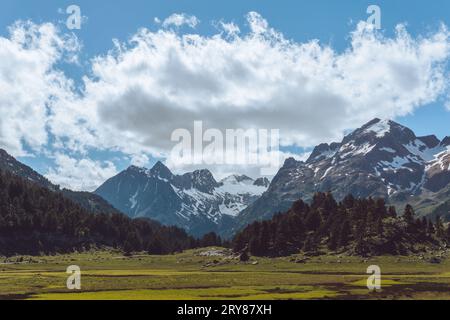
[
  {"x": 421, "y": 150},
  {"x": 232, "y": 186},
  {"x": 350, "y": 150},
  {"x": 380, "y": 128},
  {"x": 442, "y": 160},
  {"x": 133, "y": 200},
  {"x": 390, "y": 150}
]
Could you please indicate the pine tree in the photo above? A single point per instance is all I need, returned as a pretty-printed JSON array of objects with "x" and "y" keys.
[
  {"x": 239, "y": 242},
  {"x": 254, "y": 246},
  {"x": 439, "y": 227},
  {"x": 128, "y": 248},
  {"x": 345, "y": 234},
  {"x": 210, "y": 240},
  {"x": 379, "y": 226},
  {"x": 312, "y": 221},
  {"x": 155, "y": 247},
  {"x": 372, "y": 223},
  {"x": 282, "y": 244},
  {"x": 361, "y": 247},
  {"x": 409, "y": 217},
  {"x": 333, "y": 242},
  {"x": 299, "y": 207},
  {"x": 380, "y": 210},
  {"x": 430, "y": 229},
  {"x": 408, "y": 214},
  {"x": 392, "y": 212},
  {"x": 310, "y": 245},
  {"x": 264, "y": 238},
  {"x": 423, "y": 228},
  {"x": 448, "y": 234}
]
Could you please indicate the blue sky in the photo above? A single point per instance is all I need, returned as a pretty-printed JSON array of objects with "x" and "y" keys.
[{"x": 331, "y": 22}]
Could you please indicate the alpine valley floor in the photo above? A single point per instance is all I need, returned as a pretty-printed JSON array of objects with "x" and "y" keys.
[{"x": 210, "y": 274}]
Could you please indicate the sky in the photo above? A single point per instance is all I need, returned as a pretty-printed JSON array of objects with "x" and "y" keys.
[{"x": 81, "y": 105}]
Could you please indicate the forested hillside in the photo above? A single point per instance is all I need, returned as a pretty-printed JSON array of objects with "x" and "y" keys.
[
  {"x": 355, "y": 226},
  {"x": 35, "y": 220}
]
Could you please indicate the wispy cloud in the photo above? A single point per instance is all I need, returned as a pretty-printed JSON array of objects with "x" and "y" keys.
[{"x": 180, "y": 19}]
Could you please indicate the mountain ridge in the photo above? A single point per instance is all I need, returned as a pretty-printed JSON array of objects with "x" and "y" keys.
[
  {"x": 380, "y": 159},
  {"x": 87, "y": 200}
]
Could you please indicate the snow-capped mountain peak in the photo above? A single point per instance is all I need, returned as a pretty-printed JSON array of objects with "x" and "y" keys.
[
  {"x": 237, "y": 179},
  {"x": 379, "y": 127}
]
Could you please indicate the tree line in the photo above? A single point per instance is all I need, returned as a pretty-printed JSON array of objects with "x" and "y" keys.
[{"x": 356, "y": 226}]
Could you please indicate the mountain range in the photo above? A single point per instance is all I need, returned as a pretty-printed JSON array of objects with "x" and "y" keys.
[
  {"x": 381, "y": 159},
  {"x": 194, "y": 201}
]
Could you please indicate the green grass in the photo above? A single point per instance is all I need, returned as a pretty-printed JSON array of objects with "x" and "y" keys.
[{"x": 109, "y": 275}]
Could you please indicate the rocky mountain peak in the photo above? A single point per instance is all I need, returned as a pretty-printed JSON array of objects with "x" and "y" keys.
[
  {"x": 161, "y": 171},
  {"x": 445, "y": 142},
  {"x": 262, "y": 182},
  {"x": 322, "y": 151},
  {"x": 380, "y": 130},
  {"x": 204, "y": 181},
  {"x": 291, "y": 163},
  {"x": 3, "y": 153},
  {"x": 430, "y": 141}
]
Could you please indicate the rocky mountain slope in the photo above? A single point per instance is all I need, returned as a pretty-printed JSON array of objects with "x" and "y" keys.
[
  {"x": 87, "y": 200},
  {"x": 10, "y": 164},
  {"x": 194, "y": 201},
  {"x": 380, "y": 159}
]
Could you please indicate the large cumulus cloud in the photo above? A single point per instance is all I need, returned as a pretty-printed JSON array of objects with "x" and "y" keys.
[
  {"x": 143, "y": 89},
  {"x": 162, "y": 80}
]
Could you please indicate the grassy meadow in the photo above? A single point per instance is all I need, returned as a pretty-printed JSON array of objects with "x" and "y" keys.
[{"x": 198, "y": 275}]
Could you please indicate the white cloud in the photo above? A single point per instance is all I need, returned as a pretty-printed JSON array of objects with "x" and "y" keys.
[
  {"x": 143, "y": 89},
  {"x": 80, "y": 174},
  {"x": 180, "y": 19},
  {"x": 29, "y": 83},
  {"x": 161, "y": 81},
  {"x": 230, "y": 29},
  {"x": 139, "y": 160},
  {"x": 257, "y": 23}
]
